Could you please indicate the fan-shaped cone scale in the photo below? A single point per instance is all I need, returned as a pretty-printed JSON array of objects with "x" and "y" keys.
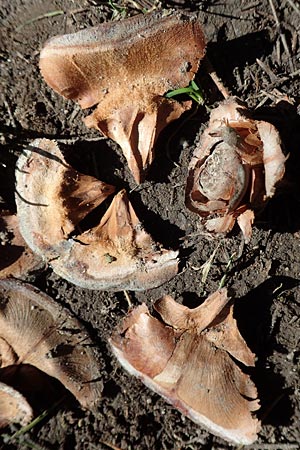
[
  {"x": 14, "y": 408},
  {"x": 16, "y": 258},
  {"x": 234, "y": 169},
  {"x": 52, "y": 197},
  {"x": 125, "y": 68},
  {"x": 117, "y": 254},
  {"x": 39, "y": 332},
  {"x": 188, "y": 357}
]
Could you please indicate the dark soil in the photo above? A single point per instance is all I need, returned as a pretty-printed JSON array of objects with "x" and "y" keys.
[{"x": 264, "y": 275}]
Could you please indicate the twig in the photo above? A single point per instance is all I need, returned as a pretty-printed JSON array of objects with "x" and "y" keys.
[
  {"x": 226, "y": 271},
  {"x": 280, "y": 446},
  {"x": 11, "y": 116},
  {"x": 128, "y": 299},
  {"x": 294, "y": 41},
  {"x": 112, "y": 446},
  {"x": 19, "y": 55},
  {"x": 77, "y": 138},
  {"x": 252, "y": 5},
  {"x": 282, "y": 35},
  {"x": 207, "y": 265},
  {"x": 144, "y": 7},
  {"x": 283, "y": 79},
  {"x": 278, "y": 51},
  {"x": 293, "y": 5},
  {"x": 263, "y": 101},
  {"x": 218, "y": 82},
  {"x": 58, "y": 12},
  {"x": 266, "y": 69},
  {"x": 49, "y": 103}
]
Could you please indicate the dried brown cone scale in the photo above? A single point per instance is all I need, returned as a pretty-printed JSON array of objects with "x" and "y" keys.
[
  {"x": 125, "y": 68},
  {"x": 188, "y": 357},
  {"x": 234, "y": 170},
  {"x": 36, "y": 331},
  {"x": 52, "y": 197},
  {"x": 116, "y": 254},
  {"x": 16, "y": 258},
  {"x": 14, "y": 408}
]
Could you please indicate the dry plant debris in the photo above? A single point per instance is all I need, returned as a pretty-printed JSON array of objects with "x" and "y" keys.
[
  {"x": 234, "y": 169},
  {"x": 36, "y": 331},
  {"x": 17, "y": 260},
  {"x": 14, "y": 408},
  {"x": 189, "y": 357},
  {"x": 125, "y": 68},
  {"x": 116, "y": 254}
]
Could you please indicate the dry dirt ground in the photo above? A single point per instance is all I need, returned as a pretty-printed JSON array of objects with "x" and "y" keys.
[{"x": 246, "y": 50}]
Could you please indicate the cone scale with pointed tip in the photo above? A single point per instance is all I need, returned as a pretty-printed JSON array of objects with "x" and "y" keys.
[
  {"x": 234, "y": 169},
  {"x": 116, "y": 254},
  {"x": 125, "y": 68},
  {"x": 189, "y": 359},
  {"x": 16, "y": 258},
  {"x": 37, "y": 331}
]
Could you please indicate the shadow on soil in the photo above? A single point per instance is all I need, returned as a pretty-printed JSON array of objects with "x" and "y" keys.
[{"x": 254, "y": 321}]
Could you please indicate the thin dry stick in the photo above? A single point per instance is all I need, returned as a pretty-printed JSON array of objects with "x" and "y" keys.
[
  {"x": 218, "y": 82},
  {"x": 293, "y": 5},
  {"x": 280, "y": 446},
  {"x": 128, "y": 299},
  {"x": 252, "y": 5},
  {"x": 11, "y": 116},
  {"x": 282, "y": 35},
  {"x": 108, "y": 444},
  {"x": 59, "y": 12},
  {"x": 266, "y": 69}
]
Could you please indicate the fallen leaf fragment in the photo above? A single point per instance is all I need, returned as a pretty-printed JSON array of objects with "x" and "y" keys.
[
  {"x": 234, "y": 169},
  {"x": 17, "y": 260},
  {"x": 125, "y": 68},
  {"x": 189, "y": 359},
  {"x": 14, "y": 408},
  {"x": 38, "y": 332},
  {"x": 116, "y": 254}
]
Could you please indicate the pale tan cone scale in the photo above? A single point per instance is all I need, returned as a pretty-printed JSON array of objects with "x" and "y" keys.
[
  {"x": 125, "y": 68},
  {"x": 117, "y": 254},
  {"x": 16, "y": 258},
  {"x": 234, "y": 170},
  {"x": 37, "y": 331},
  {"x": 188, "y": 357},
  {"x": 52, "y": 197},
  {"x": 14, "y": 408}
]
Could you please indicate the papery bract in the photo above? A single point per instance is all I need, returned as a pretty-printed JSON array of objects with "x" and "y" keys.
[
  {"x": 125, "y": 68},
  {"x": 234, "y": 170}
]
